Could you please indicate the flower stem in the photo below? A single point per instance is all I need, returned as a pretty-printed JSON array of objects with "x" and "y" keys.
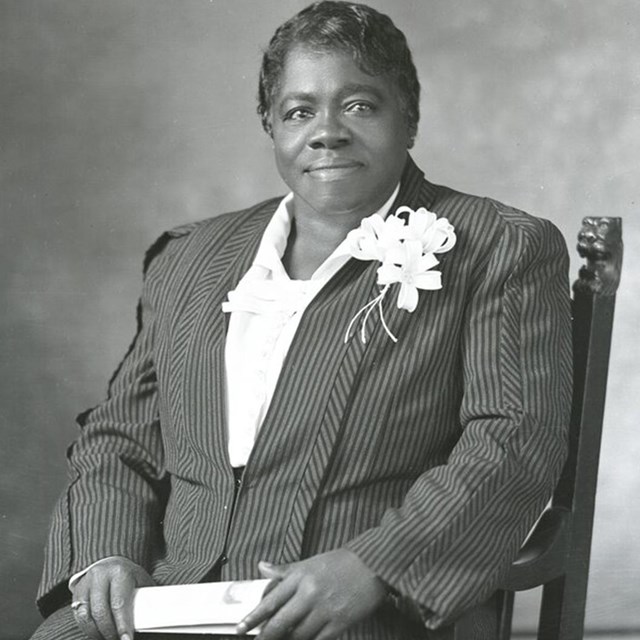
[{"x": 368, "y": 310}]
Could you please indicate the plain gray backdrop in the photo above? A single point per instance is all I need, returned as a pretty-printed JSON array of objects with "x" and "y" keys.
[{"x": 120, "y": 119}]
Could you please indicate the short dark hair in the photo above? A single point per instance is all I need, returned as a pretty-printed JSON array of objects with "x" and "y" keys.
[{"x": 376, "y": 44}]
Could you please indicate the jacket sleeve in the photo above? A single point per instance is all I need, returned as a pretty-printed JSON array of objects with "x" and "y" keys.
[
  {"x": 461, "y": 524},
  {"x": 114, "y": 501}
]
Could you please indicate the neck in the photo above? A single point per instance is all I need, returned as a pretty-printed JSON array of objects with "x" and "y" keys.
[
  {"x": 315, "y": 235},
  {"x": 325, "y": 231},
  {"x": 309, "y": 245},
  {"x": 329, "y": 227}
]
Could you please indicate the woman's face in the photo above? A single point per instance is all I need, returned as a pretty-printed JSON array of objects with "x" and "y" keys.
[{"x": 339, "y": 134}]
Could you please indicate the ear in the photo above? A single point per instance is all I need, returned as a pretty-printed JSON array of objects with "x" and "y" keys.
[
  {"x": 412, "y": 132},
  {"x": 266, "y": 123}
]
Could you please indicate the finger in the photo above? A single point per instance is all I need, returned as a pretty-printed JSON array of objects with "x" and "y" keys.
[
  {"x": 121, "y": 599},
  {"x": 81, "y": 612},
  {"x": 82, "y": 616},
  {"x": 273, "y": 571},
  {"x": 309, "y": 627},
  {"x": 100, "y": 607},
  {"x": 267, "y": 607},
  {"x": 270, "y": 587},
  {"x": 283, "y": 621},
  {"x": 328, "y": 632}
]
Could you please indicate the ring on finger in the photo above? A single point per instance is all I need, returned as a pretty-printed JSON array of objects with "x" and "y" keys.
[{"x": 76, "y": 604}]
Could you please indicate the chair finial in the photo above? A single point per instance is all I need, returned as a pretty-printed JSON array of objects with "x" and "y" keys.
[{"x": 600, "y": 242}]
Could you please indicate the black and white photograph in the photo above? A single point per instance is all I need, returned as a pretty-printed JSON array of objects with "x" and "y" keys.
[{"x": 319, "y": 319}]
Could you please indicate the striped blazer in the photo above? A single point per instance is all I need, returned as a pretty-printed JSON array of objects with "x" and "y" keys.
[{"x": 429, "y": 458}]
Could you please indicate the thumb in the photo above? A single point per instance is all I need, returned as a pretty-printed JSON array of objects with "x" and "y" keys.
[
  {"x": 143, "y": 579},
  {"x": 273, "y": 571}
]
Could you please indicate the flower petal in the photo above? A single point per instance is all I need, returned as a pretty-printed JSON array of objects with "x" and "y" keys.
[
  {"x": 403, "y": 209},
  {"x": 413, "y": 253},
  {"x": 420, "y": 222},
  {"x": 389, "y": 273},
  {"x": 396, "y": 253},
  {"x": 407, "y": 297},
  {"x": 430, "y": 280},
  {"x": 448, "y": 236},
  {"x": 431, "y": 239},
  {"x": 392, "y": 231},
  {"x": 374, "y": 224},
  {"x": 426, "y": 262},
  {"x": 448, "y": 244},
  {"x": 363, "y": 242}
]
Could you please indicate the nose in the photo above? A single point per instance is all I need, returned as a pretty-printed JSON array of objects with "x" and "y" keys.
[{"x": 329, "y": 132}]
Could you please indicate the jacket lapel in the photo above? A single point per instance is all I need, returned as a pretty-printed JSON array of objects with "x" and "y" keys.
[{"x": 222, "y": 256}]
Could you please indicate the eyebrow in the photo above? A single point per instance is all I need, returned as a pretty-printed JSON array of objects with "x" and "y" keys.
[
  {"x": 361, "y": 88},
  {"x": 348, "y": 89}
]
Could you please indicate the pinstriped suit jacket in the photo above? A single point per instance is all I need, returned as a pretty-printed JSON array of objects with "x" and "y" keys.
[{"x": 429, "y": 458}]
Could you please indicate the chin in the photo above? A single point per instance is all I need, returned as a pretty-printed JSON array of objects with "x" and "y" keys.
[
  {"x": 336, "y": 205},
  {"x": 343, "y": 197}
]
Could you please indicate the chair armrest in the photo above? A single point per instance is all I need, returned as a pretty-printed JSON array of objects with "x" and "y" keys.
[{"x": 543, "y": 555}]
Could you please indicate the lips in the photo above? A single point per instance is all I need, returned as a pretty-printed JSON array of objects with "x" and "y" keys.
[{"x": 332, "y": 169}]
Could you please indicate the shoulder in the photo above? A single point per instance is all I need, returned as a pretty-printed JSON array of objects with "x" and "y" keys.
[
  {"x": 525, "y": 238},
  {"x": 194, "y": 236},
  {"x": 477, "y": 213},
  {"x": 485, "y": 225},
  {"x": 534, "y": 229}
]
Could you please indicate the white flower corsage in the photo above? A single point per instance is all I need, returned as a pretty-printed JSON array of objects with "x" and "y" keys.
[{"x": 407, "y": 253}]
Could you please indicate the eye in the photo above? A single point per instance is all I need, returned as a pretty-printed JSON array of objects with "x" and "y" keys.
[
  {"x": 360, "y": 107},
  {"x": 298, "y": 113}
]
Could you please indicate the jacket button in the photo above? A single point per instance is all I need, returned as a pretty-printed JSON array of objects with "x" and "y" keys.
[{"x": 223, "y": 559}]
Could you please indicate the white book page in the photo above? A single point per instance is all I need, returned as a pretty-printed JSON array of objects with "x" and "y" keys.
[{"x": 210, "y": 607}]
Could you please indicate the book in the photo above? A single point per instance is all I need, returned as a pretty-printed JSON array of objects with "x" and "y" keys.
[{"x": 208, "y": 607}]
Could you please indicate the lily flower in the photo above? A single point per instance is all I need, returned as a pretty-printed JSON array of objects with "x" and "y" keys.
[
  {"x": 406, "y": 251},
  {"x": 412, "y": 273},
  {"x": 436, "y": 234},
  {"x": 375, "y": 237}
]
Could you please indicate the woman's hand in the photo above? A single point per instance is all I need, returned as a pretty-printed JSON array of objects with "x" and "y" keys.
[
  {"x": 316, "y": 598},
  {"x": 103, "y": 598}
]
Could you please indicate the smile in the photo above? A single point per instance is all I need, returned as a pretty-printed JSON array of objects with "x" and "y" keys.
[{"x": 336, "y": 170}]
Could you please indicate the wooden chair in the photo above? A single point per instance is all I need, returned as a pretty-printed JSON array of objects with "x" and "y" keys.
[{"x": 556, "y": 555}]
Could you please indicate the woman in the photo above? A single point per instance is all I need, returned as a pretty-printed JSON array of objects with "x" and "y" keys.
[{"x": 308, "y": 398}]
